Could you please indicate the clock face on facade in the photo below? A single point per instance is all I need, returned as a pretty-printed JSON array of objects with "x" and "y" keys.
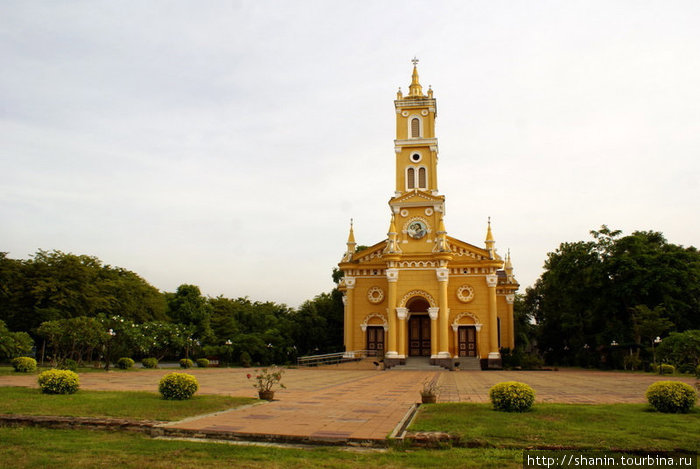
[{"x": 417, "y": 230}]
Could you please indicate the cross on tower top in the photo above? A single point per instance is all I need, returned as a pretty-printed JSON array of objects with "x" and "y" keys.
[{"x": 414, "y": 60}]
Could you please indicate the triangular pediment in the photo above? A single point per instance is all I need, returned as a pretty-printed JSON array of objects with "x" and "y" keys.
[
  {"x": 462, "y": 249},
  {"x": 417, "y": 197},
  {"x": 371, "y": 253}
]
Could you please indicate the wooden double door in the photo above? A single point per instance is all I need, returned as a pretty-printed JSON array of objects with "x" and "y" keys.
[
  {"x": 466, "y": 341},
  {"x": 419, "y": 336},
  {"x": 375, "y": 340}
]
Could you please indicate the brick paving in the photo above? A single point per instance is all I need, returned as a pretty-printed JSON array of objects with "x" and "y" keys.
[{"x": 341, "y": 404}]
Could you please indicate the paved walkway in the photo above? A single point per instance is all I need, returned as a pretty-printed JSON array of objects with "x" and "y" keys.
[{"x": 361, "y": 404}]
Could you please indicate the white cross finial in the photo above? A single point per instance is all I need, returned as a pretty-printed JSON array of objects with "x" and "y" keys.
[{"x": 414, "y": 60}]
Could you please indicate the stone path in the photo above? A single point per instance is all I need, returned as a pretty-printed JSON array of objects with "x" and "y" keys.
[{"x": 327, "y": 404}]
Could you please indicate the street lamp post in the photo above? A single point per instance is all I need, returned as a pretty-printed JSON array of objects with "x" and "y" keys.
[
  {"x": 656, "y": 341},
  {"x": 109, "y": 340}
]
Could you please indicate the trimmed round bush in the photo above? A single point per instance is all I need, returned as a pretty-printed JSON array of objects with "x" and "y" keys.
[
  {"x": 178, "y": 386},
  {"x": 24, "y": 364},
  {"x": 667, "y": 369},
  {"x": 124, "y": 363},
  {"x": 697, "y": 371},
  {"x": 69, "y": 364},
  {"x": 512, "y": 396},
  {"x": 186, "y": 363},
  {"x": 150, "y": 362},
  {"x": 59, "y": 382},
  {"x": 671, "y": 396},
  {"x": 202, "y": 362}
]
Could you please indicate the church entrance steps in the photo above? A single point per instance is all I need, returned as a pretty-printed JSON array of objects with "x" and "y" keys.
[
  {"x": 469, "y": 363},
  {"x": 417, "y": 363}
]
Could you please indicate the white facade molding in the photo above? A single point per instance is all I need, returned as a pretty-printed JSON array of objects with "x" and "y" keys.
[
  {"x": 492, "y": 280},
  {"x": 369, "y": 317},
  {"x": 510, "y": 298},
  {"x": 494, "y": 356},
  {"x": 350, "y": 282},
  {"x": 401, "y": 313},
  {"x": 433, "y": 312},
  {"x": 413, "y": 293},
  {"x": 442, "y": 273},
  {"x": 392, "y": 275}
]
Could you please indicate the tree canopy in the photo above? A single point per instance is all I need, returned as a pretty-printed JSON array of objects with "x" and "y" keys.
[{"x": 614, "y": 289}]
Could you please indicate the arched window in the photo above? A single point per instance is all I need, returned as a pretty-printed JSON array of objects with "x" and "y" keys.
[
  {"x": 422, "y": 179},
  {"x": 415, "y": 127},
  {"x": 411, "y": 178}
]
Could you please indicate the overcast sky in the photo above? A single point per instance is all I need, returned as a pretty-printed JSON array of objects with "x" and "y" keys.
[{"x": 227, "y": 144}]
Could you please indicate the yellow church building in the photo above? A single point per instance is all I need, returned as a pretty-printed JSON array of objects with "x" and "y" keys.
[{"x": 420, "y": 292}]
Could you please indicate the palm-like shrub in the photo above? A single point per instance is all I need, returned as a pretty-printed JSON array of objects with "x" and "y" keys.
[
  {"x": 59, "y": 382},
  {"x": 178, "y": 386},
  {"x": 512, "y": 396},
  {"x": 671, "y": 396}
]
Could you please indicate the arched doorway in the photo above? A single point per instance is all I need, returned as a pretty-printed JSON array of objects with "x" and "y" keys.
[{"x": 418, "y": 327}]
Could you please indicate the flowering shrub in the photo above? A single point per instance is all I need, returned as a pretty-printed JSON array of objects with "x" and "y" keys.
[
  {"x": 59, "y": 382},
  {"x": 667, "y": 369},
  {"x": 512, "y": 396},
  {"x": 125, "y": 363},
  {"x": 24, "y": 364},
  {"x": 671, "y": 396},
  {"x": 266, "y": 378},
  {"x": 178, "y": 386},
  {"x": 202, "y": 362},
  {"x": 150, "y": 362},
  {"x": 186, "y": 363}
]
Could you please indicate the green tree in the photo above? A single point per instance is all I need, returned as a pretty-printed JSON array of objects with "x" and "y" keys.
[
  {"x": 681, "y": 349},
  {"x": 187, "y": 306},
  {"x": 14, "y": 344},
  {"x": 591, "y": 292}
]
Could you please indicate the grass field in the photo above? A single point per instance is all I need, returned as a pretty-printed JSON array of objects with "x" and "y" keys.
[
  {"x": 42, "y": 448},
  {"x": 612, "y": 426},
  {"x": 117, "y": 404}
]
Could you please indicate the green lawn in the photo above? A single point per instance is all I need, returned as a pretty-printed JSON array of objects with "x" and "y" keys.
[
  {"x": 118, "y": 404},
  {"x": 43, "y": 448},
  {"x": 613, "y": 426}
]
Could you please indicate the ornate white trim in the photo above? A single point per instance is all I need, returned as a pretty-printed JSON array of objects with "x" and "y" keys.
[
  {"x": 433, "y": 312},
  {"x": 422, "y": 293},
  {"x": 465, "y": 293},
  {"x": 492, "y": 280},
  {"x": 510, "y": 298},
  {"x": 375, "y": 295},
  {"x": 401, "y": 313},
  {"x": 350, "y": 282},
  {"x": 404, "y": 213},
  {"x": 417, "y": 264},
  {"x": 365, "y": 323},
  {"x": 443, "y": 274},
  {"x": 392, "y": 275},
  {"x": 428, "y": 211},
  {"x": 460, "y": 316}
]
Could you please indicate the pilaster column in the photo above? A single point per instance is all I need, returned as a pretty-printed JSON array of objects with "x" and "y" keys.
[
  {"x": 510, "y": 299},
  {"x": 442, "y": 277},
  {"x": 492, "y": 282},
  {"x": 402, "y": 314},
  {"x": 348, "y": 300},
  {"x": 433, "y": 312},
  {"x": 392, "y": 276}
]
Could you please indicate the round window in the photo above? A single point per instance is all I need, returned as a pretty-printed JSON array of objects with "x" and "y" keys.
[{"x": 415, "y": 157}]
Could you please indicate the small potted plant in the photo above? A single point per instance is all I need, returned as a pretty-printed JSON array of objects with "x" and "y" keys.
[
  {"x": 265, "y": 380},
  {"x": 430, "y": 391}
]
